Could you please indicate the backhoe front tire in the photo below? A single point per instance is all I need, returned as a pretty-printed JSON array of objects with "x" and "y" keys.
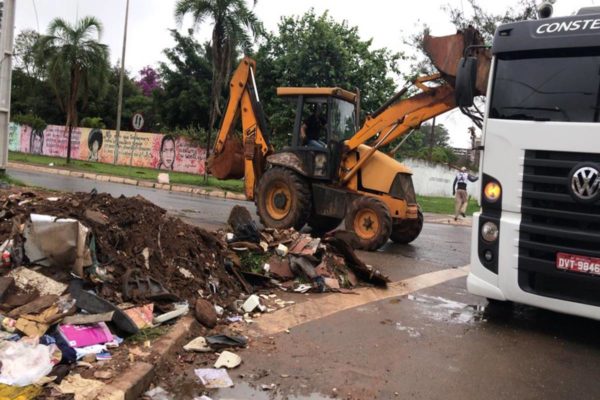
[
  {"x": 407, "y": 230},
  {"x": 369, "y": 218},
  {"x": 283, "y": 199}
]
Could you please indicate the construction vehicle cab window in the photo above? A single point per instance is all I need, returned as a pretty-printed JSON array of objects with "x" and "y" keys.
[{"x": 334, "y": 172}]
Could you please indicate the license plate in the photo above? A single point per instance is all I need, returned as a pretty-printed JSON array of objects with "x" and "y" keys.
[{"x": 582, "y": 264}]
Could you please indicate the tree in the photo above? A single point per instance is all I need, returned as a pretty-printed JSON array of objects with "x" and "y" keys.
[
  {"x": 184, "y": 99},
  {"x": 325, "y": 53},
  {"x": 420, "y": 141},
  {"x": 24, "y": 52},
  {"x": 233, "y": 26},
  {"x": 472, "y": 15},
  {"x": 149, "y": 80},
  {"x": 485, "y": 22},
  {"x": 75, "y": 61}
]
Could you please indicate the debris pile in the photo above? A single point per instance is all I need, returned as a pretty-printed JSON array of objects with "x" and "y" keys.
[
  {"x": 81, "y": 272},
  {"x": 292, "y": 260}
]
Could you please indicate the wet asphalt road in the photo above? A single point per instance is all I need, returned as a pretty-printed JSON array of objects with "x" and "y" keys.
[{"x": 435, "y": 343}]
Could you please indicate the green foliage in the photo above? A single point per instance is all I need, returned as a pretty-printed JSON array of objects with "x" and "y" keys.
[
  {"x": 92, "y": 122},
  {"x": 444, "y": 205},
  {"x": 254, "y": 262},
  {"x": 233, "y": 24},
  {"x": 195, "y": 133},
  {"x": 185, "y": 98},
  {"x": 24, "y": 52},
  {"x": 31, "y": 120},
  {"x": 325, "y": 53},
  {"x": 75, "y": 62},
  {"x": 420, "y": 144}
]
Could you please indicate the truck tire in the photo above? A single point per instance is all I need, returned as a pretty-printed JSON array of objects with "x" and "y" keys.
[
  {"x": 320, "y": 225},
  {"x": 369, "y": 218},
  {"x": 407, "y": 230},
  {"x": 283, "y": 199}
]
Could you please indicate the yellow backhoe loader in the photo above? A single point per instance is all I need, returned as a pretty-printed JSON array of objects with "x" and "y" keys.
[{"x": 341, "y": 174}]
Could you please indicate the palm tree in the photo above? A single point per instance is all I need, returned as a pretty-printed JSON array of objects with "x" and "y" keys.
[
  {"x": 234, "y": 25},
  {"x": 74, "y": 60}
]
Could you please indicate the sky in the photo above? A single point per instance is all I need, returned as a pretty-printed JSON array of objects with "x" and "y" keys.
[{"x": 384, "y": 21}]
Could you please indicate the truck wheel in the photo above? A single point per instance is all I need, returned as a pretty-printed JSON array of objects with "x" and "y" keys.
[
  {"x": 369, "y": 218},
  {"x": 407, "y": 230},
  {"x": 283, "y": 199},
  {"x": 320, "y": 225}
]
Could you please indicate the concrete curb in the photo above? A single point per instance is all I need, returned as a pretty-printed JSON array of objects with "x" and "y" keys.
[
  {"x": 195, "y": 190},
  {"x": 136, "y": 380}
]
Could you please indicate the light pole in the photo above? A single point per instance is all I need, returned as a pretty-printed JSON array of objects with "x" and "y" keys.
[
  {"x": 6, "y": 44},
  {"x": 120, "y": 100}
]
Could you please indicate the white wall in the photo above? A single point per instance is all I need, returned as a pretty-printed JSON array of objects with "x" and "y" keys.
[{"x": 431, "y": 179}]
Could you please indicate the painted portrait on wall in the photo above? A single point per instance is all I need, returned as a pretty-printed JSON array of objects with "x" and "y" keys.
[
  {"x": 36, "y": 142},
  {"x": 94, "y": 144},
  {"x": 167, "y": 153}
]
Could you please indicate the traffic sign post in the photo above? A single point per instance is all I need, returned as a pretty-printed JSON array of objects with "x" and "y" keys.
[{"x": 137, "y": 121}]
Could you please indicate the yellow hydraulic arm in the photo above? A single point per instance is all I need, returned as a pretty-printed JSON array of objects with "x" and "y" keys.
[
  {"x": 229, "y": 158},
  {"x": 397, "y": 118}
]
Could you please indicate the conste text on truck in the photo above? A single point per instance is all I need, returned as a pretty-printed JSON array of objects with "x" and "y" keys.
[{"x": 343, "y": 176}]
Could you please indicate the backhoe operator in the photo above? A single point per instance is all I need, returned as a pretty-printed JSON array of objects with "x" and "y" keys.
[{"x": 311, "y": 129}]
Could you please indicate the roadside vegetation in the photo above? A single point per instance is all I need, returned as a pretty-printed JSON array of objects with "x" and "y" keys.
[
  {"x": 127, "y": 172},
  {"x": 444, "y": 205}
]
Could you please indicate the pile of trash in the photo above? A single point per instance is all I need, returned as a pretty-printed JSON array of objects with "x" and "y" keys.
[
  {"x": 80, "y": 272},
  {"x": 292, "y": 260}
]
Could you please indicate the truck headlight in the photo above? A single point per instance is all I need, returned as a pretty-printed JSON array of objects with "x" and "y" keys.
[
  {"x": 492, "y": 192},
  {"x": 489, "y": 232}
]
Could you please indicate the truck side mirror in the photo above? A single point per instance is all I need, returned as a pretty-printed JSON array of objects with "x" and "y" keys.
[{"x": 466, "y": 77}]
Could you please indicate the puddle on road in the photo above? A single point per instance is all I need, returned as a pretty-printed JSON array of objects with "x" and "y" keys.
[
  {"x": 412, "y": 332},
  {"x": 243, "y": 391},
  {"x": 445, "y": 310}
]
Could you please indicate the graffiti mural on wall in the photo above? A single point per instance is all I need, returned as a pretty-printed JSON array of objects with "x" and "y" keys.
[{"x": 138, "y": 149}]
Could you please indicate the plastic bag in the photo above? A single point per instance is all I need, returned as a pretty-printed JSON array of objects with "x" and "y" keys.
[{"x": 25, "y": 362}]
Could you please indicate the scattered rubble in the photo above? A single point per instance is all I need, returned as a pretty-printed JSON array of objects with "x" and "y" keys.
[{"x": 80, "y": 272}]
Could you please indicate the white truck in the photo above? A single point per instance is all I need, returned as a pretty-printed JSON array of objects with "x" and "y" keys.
[{"x": 536, "y": 239}]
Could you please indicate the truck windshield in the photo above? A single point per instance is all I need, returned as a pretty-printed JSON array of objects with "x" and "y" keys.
[
  {"x": 343, "y": 125},
  {"x": 547, "y": 87}
]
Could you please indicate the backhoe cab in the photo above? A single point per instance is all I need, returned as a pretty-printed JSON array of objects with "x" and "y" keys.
[{"x": 334, "y": 169}]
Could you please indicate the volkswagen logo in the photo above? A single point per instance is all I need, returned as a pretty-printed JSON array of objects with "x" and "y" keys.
[{"x": 585, "y": 183}]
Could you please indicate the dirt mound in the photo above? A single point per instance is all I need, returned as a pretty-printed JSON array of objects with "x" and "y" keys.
[{"x": 132, "y": 233}]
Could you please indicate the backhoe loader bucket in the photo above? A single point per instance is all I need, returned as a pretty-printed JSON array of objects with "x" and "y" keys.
[
  {"x": 229, "y": 163},
  {"x": 446, "y": 51}
]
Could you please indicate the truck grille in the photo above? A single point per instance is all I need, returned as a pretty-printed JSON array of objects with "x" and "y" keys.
[{"x": 553, "y": 222}]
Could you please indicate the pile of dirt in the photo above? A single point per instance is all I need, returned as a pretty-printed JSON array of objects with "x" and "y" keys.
[{"x": 131, "y": 233}]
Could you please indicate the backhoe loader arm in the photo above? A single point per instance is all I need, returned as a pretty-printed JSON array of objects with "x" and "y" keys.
[
  {"x": 230, "y": 159},
  {"x": 398, "y": 116}
]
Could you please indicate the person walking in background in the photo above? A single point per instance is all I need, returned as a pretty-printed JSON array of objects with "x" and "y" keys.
[{"x": 459, "y": 190}]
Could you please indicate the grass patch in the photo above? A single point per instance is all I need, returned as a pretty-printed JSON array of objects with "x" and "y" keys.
[
  {"x": 181, "y": 178},
  {"x": 444, "y": 205},
  {"x": 148, "y": 334}
]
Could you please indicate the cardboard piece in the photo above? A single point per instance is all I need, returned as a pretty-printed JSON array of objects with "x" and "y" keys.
[
  {"x": 142, "y": 316},
  {"x": 85, "y": 319},
  {"x": 26, "y": 279},
  {"x": 52, "y": 241}
]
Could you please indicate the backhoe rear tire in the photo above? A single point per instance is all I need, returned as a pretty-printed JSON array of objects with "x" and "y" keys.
[
  {"x": 320, "y": 225},
  {"x": 283, "y": 199},
  {"x": 407, "y": 230},
  {"x": 369, "y": 218}
]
